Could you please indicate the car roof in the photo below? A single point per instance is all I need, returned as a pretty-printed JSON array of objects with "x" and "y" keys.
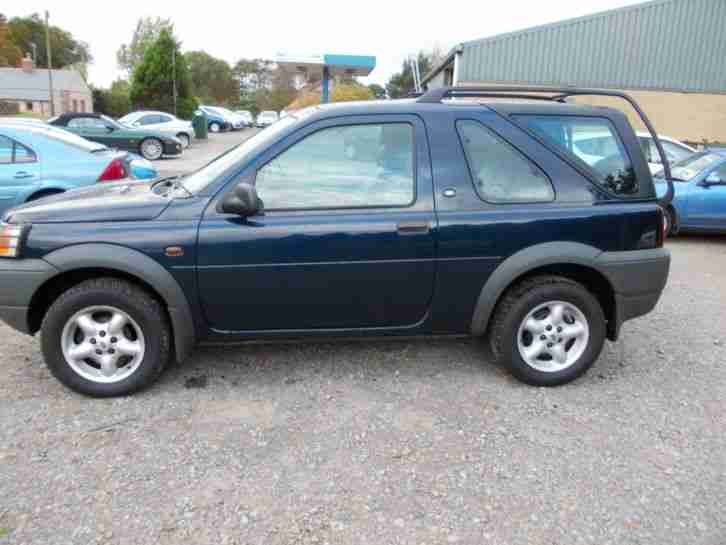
[{"x": 508, "y": 106}]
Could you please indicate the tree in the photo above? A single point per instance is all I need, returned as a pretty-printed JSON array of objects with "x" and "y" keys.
[
  {"x": 347, "y": 92},
  {"x": 253, "y": 74},
  {"x": 147, "y": 31},
  {"x": 67, "y": 51},
  {"x": 114, "y": 101},
  {"x": 153, "y": 80},
  {"x": 212, "y": 78},
  {"x": 401, "y": 83},
  {"x": 10, "y": 54},
  {"x": 378, "y": 90}
]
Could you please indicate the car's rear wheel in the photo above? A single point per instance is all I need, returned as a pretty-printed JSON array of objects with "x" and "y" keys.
[
  {"x": 151, "y": 149},
  {"x": 106, "y": 337},
  {"x": 184, "y": 139},
  {"x": 215, "y": 127},
  {"x": 548, "y": 330}
]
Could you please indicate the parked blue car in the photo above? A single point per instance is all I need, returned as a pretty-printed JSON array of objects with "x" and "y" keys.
[
  {"x": 216, "y": 122},
  {"x": 700, "y": 200},
  {"x": 39, "y": 160}
]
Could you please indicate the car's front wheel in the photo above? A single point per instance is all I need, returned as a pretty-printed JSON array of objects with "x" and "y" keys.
[
  {"x": 548, "y": 330},
  {"x": 151, "y": 149},
  {"x": 106, "y": 337},
  {"x": 215, "y": 127}
]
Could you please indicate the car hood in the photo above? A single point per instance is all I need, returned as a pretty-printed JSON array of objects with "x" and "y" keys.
[{"x": 122, "y": 201}]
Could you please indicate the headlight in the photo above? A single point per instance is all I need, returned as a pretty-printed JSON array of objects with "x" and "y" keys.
[{"x": 11, "y": 239}]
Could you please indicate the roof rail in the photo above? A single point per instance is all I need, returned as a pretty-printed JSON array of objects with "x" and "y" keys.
[{"x": 555, "y": 94}]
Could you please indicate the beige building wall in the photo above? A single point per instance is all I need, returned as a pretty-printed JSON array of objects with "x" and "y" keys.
[{"x": 689, "y": 117}]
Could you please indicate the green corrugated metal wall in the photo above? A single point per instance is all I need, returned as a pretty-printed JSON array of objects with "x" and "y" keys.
[{"x": 677, "y": 45}]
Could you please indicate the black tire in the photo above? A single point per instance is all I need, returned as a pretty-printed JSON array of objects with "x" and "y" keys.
[
  {"x": 518, "y": 302},
  {"x": 185, "y": 140},
  {"x": 129, "y": 298},
  {"x": 144, "y": 152}
]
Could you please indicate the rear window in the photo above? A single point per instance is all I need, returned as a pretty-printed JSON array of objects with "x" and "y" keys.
[{"x": 593, "y": 141}]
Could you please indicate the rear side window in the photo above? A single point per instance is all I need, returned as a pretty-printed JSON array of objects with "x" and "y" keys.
[
  {"x": 594, "y": 141},
  {"x": 13, "y": 152},
  {"x": 501, "y": 174}
]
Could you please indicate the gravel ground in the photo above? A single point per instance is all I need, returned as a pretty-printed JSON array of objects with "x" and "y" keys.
[{"x": 379, "y": 443}]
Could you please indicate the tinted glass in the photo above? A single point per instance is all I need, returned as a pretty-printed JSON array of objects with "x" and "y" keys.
[
  {"x": 147, "y": 120},
  {"x": 501, "y": 174},
  {"x": 23, "y": 154},
  {"x": 594, "y": 141},
  {"x": 91, "y": 123},
  {"x": 342, "y": 167},
  {"x": 6, "y": 150},
  {"x": 692, "y": 166}
]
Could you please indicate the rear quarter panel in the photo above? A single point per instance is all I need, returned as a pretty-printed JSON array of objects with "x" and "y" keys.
[{"x": 474, "y": 237}]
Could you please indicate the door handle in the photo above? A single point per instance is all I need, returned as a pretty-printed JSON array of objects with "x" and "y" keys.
[
  {"x": 413, "y": 227},
  {"x": 22, "y": 175}
]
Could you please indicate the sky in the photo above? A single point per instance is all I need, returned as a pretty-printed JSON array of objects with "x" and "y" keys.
[{"x": 390, "y": 30}]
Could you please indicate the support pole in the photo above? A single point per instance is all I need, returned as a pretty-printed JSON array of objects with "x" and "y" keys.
[
  {"x": 326, "y": 85},
  {"x": 50, "y": 65}
]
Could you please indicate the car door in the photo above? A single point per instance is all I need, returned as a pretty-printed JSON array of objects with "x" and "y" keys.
[
  {"x": 19, "y": 168},
  {"x": 707, "y": 201},
  {"x": 346, "y": 240}
]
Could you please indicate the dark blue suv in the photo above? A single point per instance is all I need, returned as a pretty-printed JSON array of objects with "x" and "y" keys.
[{"x": 402, "y": 218}]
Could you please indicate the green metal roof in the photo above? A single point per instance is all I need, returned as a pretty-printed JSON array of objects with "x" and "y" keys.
[{"x": 677, "y": 45}]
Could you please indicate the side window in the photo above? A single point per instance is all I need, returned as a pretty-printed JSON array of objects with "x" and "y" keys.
[
  {"x": 146, "y": 120},
  {"x": 501, "y": 174},
  {"x": 608, "y": 159},
  {"x": 23, "y": 154},
  {"x": 78, "y": 123},
  {"x": 12, "y": 152},
  {"x": 163, "y": 119},
  {"x": 343, "y": 167},
  {"x": 6, "y": 150}
]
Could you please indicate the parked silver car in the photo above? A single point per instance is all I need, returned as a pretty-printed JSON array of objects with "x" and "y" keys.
[
  {"x": 268, "y": 117},
  {"x": 161, "y": 122}
]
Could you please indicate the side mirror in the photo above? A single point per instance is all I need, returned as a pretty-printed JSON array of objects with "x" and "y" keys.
[{"x": 242, "y": 201}]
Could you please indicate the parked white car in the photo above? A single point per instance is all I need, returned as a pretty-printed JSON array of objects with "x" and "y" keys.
[
  {"x": 236, "y": 120},
  {"x": 268, "y": 117},
  {"x": 247, "y": 116},
  {"x": 594, "y": 146},
  {"x": 162, "y": 122},
  {"x": 675, "y": 151}
]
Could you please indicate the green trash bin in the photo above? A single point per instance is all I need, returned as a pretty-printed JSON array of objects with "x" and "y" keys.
[{"x": 199, "y": 122}]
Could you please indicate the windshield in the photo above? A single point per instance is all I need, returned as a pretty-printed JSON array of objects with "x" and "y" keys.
[
  {"x": 112, "y": 122},
  {"x": 128, "y": 118},
  {"x": 690, "y": 167},
  {"x": 211, "y": 110},
  {"x": 197, "y": 181}
]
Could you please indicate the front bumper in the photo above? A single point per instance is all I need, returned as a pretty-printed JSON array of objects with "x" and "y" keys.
[
  {"x": 638, "y": 279},
  {"x": 19, "y": 281},
  {"x": 172, "y": 148}
]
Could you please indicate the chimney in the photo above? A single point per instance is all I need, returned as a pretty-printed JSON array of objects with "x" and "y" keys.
[{"x": 27, "y": 65}]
